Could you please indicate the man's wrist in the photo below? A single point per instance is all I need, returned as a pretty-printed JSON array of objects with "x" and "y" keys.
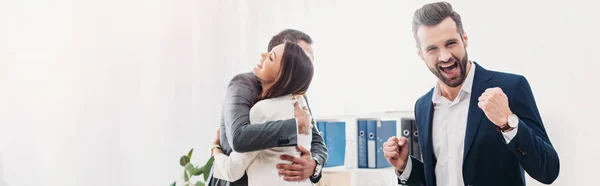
[
  {"x": 317, "y": 168},
  {"x": 512, "y": 121}
]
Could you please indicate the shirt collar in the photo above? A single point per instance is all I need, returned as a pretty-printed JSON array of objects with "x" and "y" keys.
[{"x": 466, "y": 87}]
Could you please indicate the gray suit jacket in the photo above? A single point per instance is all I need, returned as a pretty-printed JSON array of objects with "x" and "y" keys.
[{"x": 237, "y": 133}]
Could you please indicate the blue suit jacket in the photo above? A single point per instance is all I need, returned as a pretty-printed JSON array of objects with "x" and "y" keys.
[{"x": 488, "y": 160}]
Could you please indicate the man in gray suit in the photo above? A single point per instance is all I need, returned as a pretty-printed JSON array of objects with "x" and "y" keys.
[{"x": 238, "y": 135}]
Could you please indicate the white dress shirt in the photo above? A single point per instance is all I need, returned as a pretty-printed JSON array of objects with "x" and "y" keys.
[
  {"x": 261, "y": 165},
  {"x": 448, "y": 134}
]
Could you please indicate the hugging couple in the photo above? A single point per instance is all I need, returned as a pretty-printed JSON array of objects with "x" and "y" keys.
[{"x": 267, "y": 135}]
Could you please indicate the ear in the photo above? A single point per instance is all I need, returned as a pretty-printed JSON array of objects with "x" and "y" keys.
[
  {"x": 420, "y": 53},
  {"x": 465, "y": 39}
]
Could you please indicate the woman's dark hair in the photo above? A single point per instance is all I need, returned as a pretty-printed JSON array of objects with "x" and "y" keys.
[{"x": 296, "y": 73}]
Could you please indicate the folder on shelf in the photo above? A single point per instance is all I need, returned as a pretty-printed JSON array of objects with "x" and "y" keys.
[
  {"x": 371, "y": 143},
  {"x": 410, "y": 132},
  {"x": 415, "y": 141},
  {"x": 334, "y": 134},
  {"x": 385, "y": 130},
  {"x": 378, "y": 132},
  {"x": 406, "y": 125},
  {"x": 362, "y": 144}
]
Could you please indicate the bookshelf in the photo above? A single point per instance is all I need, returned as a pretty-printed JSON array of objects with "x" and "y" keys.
[{"x": 349, "y": 174}]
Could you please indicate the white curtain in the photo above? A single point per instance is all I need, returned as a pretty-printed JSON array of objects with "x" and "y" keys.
[{"x": 113, "y": 92}]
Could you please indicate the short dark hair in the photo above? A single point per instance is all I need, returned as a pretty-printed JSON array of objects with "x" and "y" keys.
[
  {"x": 296, "y": 73},
  {"x": 433, "y": 14},
  {"x": 288, "y": 35}
]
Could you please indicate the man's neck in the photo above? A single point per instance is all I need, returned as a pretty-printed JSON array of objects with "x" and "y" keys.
[
  {"x": 451, "y": 93},
  {"x": 265, "y": 87}
]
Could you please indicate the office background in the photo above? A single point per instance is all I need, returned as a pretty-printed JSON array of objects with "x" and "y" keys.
[{"x": 113, "y": 92}]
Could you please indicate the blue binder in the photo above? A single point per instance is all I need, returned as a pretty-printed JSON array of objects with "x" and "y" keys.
[
  {"x": 385, "y": 130},
  {"x": 335, "y": 141},
  {"x": 371, "y": 143},
  {"x": 362, "y": 144},
  {"x": 378, "y": 133}
]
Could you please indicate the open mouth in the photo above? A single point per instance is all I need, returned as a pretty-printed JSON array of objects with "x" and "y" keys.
[{"x": 449, "y": 69}]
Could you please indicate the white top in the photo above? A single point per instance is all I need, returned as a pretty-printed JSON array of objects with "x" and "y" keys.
[
  {"x": 261, "y": 165},
  {"x": 448, "y": 133}
]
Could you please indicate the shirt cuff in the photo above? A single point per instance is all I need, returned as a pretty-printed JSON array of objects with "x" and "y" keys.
[
  {"x": 403, "y": 177},
  {"x": 508, "y": 136}
]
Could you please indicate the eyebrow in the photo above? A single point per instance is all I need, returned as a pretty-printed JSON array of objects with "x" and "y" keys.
[
  {"x": 447, "y": 41},
  {"x": 430, "y": 47},
  {"x": 452, "y": 40}
]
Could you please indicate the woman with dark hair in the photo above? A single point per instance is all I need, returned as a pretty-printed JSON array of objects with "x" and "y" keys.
[{"x": 285, "y": 74}]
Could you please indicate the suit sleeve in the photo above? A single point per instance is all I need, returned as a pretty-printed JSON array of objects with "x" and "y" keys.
[
  {"x": 318, "y": 148},
  {"x": 318, "y": 151},
  {"x": 531, "y": 145},
  {"x": 417, "y": 173},
  {"x": 244, "y": 137}
]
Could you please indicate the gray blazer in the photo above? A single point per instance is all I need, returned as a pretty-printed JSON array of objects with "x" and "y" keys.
[{"x": 237, "y": 133}]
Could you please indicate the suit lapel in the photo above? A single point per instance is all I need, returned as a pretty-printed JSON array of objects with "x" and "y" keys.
[
  {"x": 425, "y": 118},
  {"x": 480, "y": 83},
  {"x": 423, "y": 115},
  {"x": 428, "y": 117}
]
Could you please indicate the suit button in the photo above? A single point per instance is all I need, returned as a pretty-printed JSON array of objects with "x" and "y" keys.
[
  {"x": 519, "y": 147},
  {"x": 524, "y": 153},
  {"x": 283, "y": 141}
]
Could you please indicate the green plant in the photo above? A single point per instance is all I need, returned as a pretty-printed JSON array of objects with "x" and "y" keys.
[{"x": 191, "y": 170}]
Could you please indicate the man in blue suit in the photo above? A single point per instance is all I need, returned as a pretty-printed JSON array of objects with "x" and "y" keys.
[{"x": 476, "y": 126}]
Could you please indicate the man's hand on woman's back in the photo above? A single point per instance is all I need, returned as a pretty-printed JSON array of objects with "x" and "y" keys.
[
  {"x": 302, "y": 118},
  {"x": 301, "y": 168}
]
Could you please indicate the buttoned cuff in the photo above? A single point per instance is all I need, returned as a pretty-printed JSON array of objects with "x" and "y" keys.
[
  {"x": 403, "y": 177},
  {"x": 508, "y": 136}
]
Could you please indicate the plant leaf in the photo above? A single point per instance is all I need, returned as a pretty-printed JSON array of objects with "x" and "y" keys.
[
  {"x": 190, "y": 169},
  {"x": 173, "y": 184},
  {"x": 207, "y": 167},
  {"x": 199, "y": 183},
  {"x": 190, "y": 153},
  {"x": 184, "y": 160},
  {"x": 186, "y": 177},
  {"x": 198, "y": 171}
]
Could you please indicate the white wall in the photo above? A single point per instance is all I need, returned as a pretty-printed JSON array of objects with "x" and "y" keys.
[
  {"x": 113, "y": 92},
  {"x": 108, "y": 92}
]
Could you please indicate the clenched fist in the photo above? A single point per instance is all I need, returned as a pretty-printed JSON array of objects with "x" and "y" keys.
[
  {"x": 395, "y": 151},
  {"x": 494, "y": 104}
]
